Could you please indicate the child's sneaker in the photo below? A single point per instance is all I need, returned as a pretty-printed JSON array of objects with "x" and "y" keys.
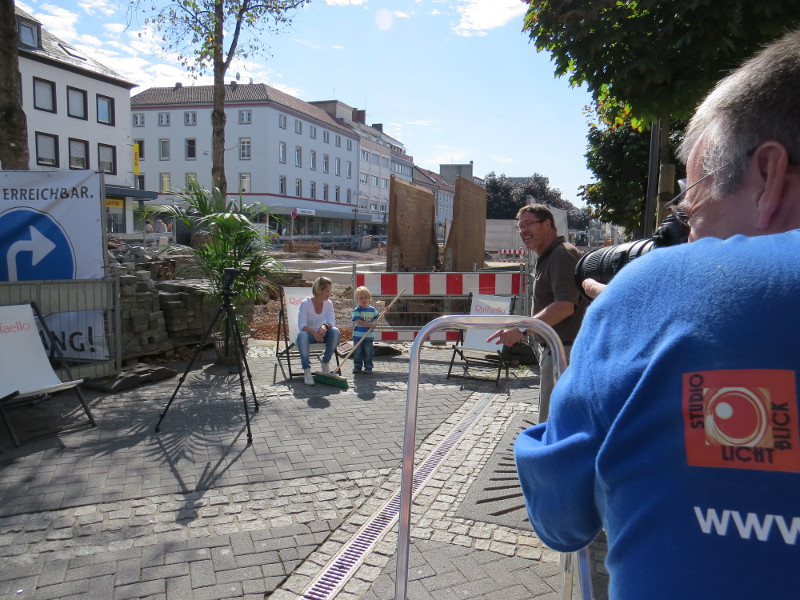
[
  {"x": 308, "y": 378},
  {"x": 367, "y": 371},
  {"x": 357, "y": 371}
]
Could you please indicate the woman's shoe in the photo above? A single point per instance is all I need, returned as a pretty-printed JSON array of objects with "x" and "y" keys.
[{"x": 308, "y": 378}]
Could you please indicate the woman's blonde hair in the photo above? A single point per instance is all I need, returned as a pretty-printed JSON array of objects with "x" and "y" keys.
[{"x": 320, "y": 284}]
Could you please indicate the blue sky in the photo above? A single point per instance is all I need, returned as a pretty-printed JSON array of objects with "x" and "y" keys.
[{"x": 453, "y": 80}]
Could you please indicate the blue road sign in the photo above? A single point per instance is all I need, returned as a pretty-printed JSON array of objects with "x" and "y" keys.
[{"x": 34, "y": 247}]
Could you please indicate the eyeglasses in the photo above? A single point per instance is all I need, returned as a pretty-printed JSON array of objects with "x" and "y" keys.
[
  {"x": 680, "y": 216},
  {"x": 526, "y": 225}
]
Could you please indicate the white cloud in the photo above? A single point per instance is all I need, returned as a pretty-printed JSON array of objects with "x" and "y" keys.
[
  {"x": 401, "y": 15},
  {"x": 345, "y": 2},
  {"x": 503, "y": 159},
  {"x": 478, "y": 16},
  {"x": 422, "y": 123},
  {"x": 101, "y": 6}
]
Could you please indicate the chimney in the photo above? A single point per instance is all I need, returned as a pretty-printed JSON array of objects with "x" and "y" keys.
[
  {"x": 378, "y": 126},
  {"x": 359, "y": 116},
  {"x": 178, "y": 85},
  {"x": 233, "y": 85}
]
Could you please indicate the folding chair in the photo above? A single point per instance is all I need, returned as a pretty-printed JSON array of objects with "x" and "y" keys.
[
  {"x": 25, "y": 369},
  {"x": 291, "y": 297},
  {"x": 472, "y": 346}
]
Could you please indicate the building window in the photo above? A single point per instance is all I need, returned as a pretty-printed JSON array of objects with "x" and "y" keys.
[
  {"x": 325, "y": 163},
  {"x": 384, "y": 183},
  {"x": 365, "y": 156},
  {"x": 191, "y": 149},
  {"x": 338, "y": 141},
  {"x": 163, "y": 149},
  {"x": 313, "y": 132},
  {"x": 375, "y": 158},
  {"x": 282, "y": 185},
  {"x": 282, "y": 152},
  {"x": 245, "y": 148},
  {"x": 105, "y": 110},
  {"x": 244, "y": 183},
  {"x": 349, "y": 195},
  {"x": 138, "y": 119},
  {"x": 349, "y": 145},
  {"x": 349, "y": 169},
  {"x": 164, "y": 185},
  {"x": 245, "y": 117},
  {"x": 385, "y": 162},
  {"x": 313, "y": 160},
  {"x": 138, "y": 182},
  {"x": 107, "y": 159},
  {"x": 46, "y": 149},
  {"x": 139, "y": 146},
  {"x": 314, "y": 189},
  {"x": 363, "y": 178},
  {"x": 298, "y": 187},
  {"x": 163, "y": 119},
  {"x": 77, "y": 105},
  {"x": 373, "y": 180},
  {"x": 44, "y": 95},
  {"x": 191, "y": 179},
  {"x": 326, "y": 137},
  {"x": 325, "y": 192},
  {"x": 298, "y": 156},
  {"x": 298, "y": 126},
  {"x": 282, "y": 121},
  {"x": 28, "y": 33},
  {"x": 337, "y": 167},
  {"x": 337, "y": 194},
  {"x": 190, "y": 118},
  {"x": 78, "y": 154},
  {"x": 373, "y": 205}
]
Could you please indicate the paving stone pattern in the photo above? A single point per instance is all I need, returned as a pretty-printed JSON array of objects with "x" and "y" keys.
[{"x": 195, "y": 513}]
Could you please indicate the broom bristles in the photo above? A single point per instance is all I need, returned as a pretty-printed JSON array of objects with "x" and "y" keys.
[{"x": 333, "y": 380}]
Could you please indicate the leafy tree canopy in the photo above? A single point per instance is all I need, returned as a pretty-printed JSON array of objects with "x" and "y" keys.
[{"x": 646, "y": 59}]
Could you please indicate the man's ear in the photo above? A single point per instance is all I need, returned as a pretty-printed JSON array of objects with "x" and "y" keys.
[{"x": 771, "y": 163}]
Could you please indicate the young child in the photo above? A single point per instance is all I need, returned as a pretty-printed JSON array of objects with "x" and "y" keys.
[{"x": 364, "y": 316}]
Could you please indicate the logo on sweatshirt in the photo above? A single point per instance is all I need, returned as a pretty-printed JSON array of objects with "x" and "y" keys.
[{"x": 742, "y": 419}]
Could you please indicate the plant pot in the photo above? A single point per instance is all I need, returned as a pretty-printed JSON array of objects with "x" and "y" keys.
[{"x": 226, "y": 348}]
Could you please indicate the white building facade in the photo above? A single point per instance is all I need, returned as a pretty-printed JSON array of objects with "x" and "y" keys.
[
  {"x": 78, "y": 117},
  {"x": 289, "y": 155}
]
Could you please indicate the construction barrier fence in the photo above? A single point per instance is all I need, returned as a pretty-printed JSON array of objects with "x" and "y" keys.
[{"x": 431, "y": 295}]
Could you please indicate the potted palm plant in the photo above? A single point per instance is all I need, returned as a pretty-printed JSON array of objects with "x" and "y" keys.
[{"x": 227, "y": 238}]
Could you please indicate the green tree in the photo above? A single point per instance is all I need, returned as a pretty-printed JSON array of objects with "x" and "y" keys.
[
  {"x": 646, "y": 59},
  {"x": 13, "y": 125},
  {"x": 206, "y": 34}
]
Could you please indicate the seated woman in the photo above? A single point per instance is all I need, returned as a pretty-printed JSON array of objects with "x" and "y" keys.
[{"x": 316, "y": 324}]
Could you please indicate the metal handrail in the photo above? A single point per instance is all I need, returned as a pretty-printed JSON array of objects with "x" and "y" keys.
[{"x": 552, "y": 340}]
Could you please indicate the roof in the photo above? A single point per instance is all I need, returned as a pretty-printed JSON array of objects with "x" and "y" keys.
[
  {"x": 56, "y": 50},
  {"x": 235, "y": 93},
  {"x": 437, "y": 179}
]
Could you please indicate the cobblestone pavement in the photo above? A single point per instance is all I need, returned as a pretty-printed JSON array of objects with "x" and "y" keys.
[{"x": 195, "y": 513}]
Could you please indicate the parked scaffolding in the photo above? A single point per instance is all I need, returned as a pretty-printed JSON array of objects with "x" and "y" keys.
[{"x": 432, "y": 295}]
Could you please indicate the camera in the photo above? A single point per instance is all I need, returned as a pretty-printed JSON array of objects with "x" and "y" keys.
[
  {"x": 602, "y": 264},
  {"x": 229, "y": 275}
]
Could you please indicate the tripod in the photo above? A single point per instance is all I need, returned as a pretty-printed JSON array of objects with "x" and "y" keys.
[{"x": 231, "y": 333}]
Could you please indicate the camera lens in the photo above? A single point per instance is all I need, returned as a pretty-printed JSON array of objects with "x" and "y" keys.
[{"x": 602, "y": 264}]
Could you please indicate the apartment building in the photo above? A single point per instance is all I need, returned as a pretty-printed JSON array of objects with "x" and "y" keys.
[
  {"x": 290, "y": 155},
  {"x": 444, "y": 192},
  {"x": 380, "y": 157},
  {"x": 78, "y": 117}
]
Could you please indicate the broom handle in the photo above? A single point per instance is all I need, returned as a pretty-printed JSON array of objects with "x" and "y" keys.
[{"x": 349, "y": 354}]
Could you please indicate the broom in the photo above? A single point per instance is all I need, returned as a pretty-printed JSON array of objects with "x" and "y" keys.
[{"x": 338, "y": 380}]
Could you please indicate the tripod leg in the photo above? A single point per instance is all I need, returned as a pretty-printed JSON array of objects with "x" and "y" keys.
[
  {"x": 191, "y": 363},
  {"x": 239, "y": 350}
]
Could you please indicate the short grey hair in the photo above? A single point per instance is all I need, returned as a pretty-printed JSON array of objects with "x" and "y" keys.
[{"x": 758, "y": 102}]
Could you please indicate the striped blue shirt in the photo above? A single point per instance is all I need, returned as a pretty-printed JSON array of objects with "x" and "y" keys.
[{"x": 364, "y": 314}]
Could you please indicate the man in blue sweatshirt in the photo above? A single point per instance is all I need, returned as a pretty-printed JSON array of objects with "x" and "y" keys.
[{"x": 675, "y": 427}]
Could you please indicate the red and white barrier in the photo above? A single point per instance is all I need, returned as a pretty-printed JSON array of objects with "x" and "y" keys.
[
  {"x": 506, "y": 255},
  {"x": 437, "y": 284},
  {"x": 442, "y": 284}
]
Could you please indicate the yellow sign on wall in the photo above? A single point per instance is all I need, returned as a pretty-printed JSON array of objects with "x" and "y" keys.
[
  {"x": 115, "y": 203},
  {"x": 136, "y": 159}
]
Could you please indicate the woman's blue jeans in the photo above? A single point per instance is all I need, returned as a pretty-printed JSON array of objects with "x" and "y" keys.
[{"x": 305, "y": 339}]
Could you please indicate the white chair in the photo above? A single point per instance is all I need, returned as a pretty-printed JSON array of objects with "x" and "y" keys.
[
  {"x": 25, "y": 369},
  {"x": 472, "y": 347},
  {"x": 291, "y": 297}
]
